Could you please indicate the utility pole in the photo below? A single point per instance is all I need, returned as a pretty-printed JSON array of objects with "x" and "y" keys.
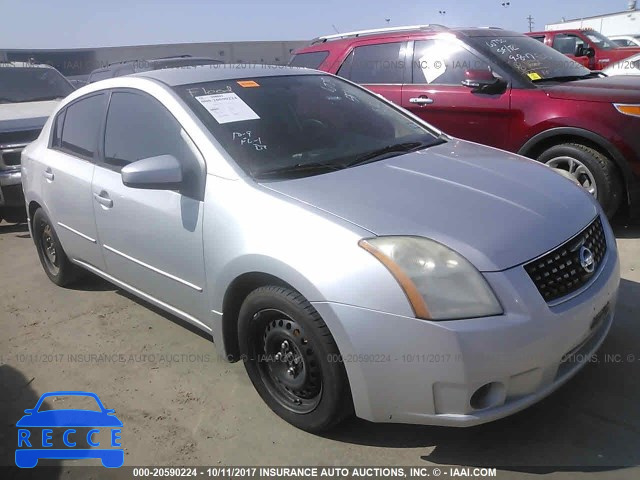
[{"x": 531, "y": 22}]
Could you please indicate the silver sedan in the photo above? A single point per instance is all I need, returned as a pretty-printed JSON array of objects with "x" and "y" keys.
[{"x": 355, "y": 259}]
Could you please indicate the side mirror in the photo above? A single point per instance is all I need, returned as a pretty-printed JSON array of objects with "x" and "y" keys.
[
  {"x": 579, "y": 50},
  {"x": 483, "y": 81},
  {"x": 163, "y": 172}
]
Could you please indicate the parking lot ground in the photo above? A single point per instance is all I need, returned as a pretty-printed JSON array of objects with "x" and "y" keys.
[{"x": 180, "y": 405}]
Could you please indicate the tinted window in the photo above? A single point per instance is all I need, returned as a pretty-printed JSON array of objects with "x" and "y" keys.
[
  {"x": 30, "y": 84},
  {"x": 567, "y": 44},
  {"x": 381, "y": 63},
  {"x": 540, "y": 39},
  {"x": 138, "y": 127},
  {"x": 308, "y": 124},
  {"x": 308, "y": 60},
  {"x": 443, "y": 62},
  {"x": 81, "y": 125}
]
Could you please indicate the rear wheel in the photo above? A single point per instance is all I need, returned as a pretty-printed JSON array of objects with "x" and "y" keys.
[
  {"x": 292, "y": 359},
  {"x": 595, "y": 172},
  {"x": 54, "y": 260}
]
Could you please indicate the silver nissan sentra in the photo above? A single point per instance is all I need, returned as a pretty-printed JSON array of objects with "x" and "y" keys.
[{"x": 355, "y": 258}]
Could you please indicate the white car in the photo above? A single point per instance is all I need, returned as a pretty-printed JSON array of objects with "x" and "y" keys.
[
  {"x": 628, "y": 66},
  {"x": 626, "y": 40}
]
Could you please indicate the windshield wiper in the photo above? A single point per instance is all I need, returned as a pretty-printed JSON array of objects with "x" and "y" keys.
[
  {"x": 375, "y": 155},
  {"x": 295, "y": 169}
]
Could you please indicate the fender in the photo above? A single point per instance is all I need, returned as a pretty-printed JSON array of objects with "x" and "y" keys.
[{"x": 629, "y": 180}]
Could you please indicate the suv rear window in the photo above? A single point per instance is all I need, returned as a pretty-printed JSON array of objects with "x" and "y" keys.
[
  {"x": 308, "y": 60},
  {"x": 370, "y": 64}
]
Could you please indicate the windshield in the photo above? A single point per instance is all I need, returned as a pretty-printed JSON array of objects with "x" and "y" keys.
[
  {"x": 602, "y": 42},
  {"x": 302, "y": 125},
  {"x": 30, "y": 84},
  {"x": 529, "y": 57}
]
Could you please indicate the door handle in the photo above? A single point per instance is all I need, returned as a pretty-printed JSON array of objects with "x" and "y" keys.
[
  {"x": 48, "y": 174},
  {"x": 421, "y": 101},
  {"x": 103, "y": 199}
]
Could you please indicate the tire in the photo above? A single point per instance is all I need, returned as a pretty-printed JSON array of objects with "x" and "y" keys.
[
  {"x": 54, "y": 260},
  {"x": 14, "y": 214},
  {"x": 593, "y": 170},
  {"x": 307, "y": 385}
]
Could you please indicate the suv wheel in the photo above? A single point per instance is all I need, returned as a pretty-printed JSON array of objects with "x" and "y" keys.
[
  {"x": 589, "y": 168},
  {"x": 292, "y": 359},
  {"x": 55, "y": 262}
]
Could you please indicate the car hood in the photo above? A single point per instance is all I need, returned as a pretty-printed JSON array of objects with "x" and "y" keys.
[
  {"x": 496, "y": 209},
  {"x": 17, "y": 111},
  {"x": 69, "y": 418},
  {"x": 623, "y": 89}
]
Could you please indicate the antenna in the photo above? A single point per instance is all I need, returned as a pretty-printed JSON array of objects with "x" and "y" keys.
[{"x": 334, "y": 27}]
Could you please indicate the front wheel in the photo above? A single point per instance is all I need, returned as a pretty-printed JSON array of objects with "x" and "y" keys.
[
  {"x": 292, "y": 359},
  {"x": 589, "y": 168}
]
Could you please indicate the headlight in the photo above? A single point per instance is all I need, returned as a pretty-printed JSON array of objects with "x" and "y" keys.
[
  {"x": 628, "y": 109},
  {"x": 439, "y": 283}
]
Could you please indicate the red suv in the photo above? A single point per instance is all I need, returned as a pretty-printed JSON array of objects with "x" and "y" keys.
[
  {"x": 588, "y": 47},
  {"x": 502, "y": 89}
]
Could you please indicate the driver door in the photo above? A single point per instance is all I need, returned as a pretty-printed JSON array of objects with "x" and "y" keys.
[{"x": 151, "y": 239}]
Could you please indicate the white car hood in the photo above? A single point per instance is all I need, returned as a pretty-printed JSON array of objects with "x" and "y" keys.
[{"x": 19, "y": 111}]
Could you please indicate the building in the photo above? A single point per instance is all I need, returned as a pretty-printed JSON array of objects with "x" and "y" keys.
[
  {"x": 79, "y": 62},
  {"x": 620, "y": 23}
]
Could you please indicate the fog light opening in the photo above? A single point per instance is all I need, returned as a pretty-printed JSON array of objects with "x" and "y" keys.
[{"x": 488, "y": 395}]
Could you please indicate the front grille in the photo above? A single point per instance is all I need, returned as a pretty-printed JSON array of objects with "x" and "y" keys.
[{"x": 560, "y": 272}]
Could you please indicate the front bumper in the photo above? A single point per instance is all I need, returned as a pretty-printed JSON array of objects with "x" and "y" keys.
[
  {"x": 11, "y": 194},
  {"x": 407, "y": 370}
]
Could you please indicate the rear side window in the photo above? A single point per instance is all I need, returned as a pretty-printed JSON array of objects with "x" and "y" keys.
[
  {"x": 56, "y": 140},
  {"x": 540, "y": 38},
  {"x": 370, "y": 64},
  {"x": 82, "y": 122},
  {"x": 308, "y": 60}
]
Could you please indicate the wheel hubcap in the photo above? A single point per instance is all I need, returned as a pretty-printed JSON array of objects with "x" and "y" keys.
[
  {"x": 287, "y": 361},
  {"x": 49, "y": 248},
  {"x": 577, "y": 171}
]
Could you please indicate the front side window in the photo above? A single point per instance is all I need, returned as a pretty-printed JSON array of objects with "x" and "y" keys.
[
  {"x": 31, "y": 84},
  {"x": 371, "y": 64},
  {"x": 443, "y": 62},
  {"x": 300, "y": 124},
  {"x": 567, "y": 44},
  {"x": 138, "y": 127},
  {"x": 81, "y": 125}
]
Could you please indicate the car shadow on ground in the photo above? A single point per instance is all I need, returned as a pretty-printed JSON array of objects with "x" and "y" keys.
[
  {"x": 18, "y": 395},
  {"x": 14, "y": 228},
  {"x": 590, "y": 424}
]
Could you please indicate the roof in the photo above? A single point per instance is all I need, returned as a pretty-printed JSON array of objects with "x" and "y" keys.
[
  {"x": 223, "y": 71},
  {"x": 624, "y": 12},
  {"x": 9, "y": 64}
]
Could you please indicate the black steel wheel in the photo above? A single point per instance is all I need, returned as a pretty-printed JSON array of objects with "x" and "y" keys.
[{"x": 292, "y": 359}]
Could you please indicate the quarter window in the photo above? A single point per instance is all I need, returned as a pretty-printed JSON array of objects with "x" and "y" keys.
[
  {"x": 370, "y": 64},
  {"x": 443, "y": 62},
  {"x": 308, "y": 60},
  {"x": 81, "y": 125}
]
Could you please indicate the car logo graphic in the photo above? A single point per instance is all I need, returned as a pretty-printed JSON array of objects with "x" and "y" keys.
[
  {"x": 33, "y": 446},
  {"x": 586, "y": 260}
]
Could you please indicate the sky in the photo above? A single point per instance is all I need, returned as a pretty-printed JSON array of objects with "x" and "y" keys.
[{"x": 94, "y": 23}]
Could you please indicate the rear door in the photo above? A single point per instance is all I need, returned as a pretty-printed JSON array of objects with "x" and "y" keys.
[
  {"x": 151, "y": 239},
  {"x": 435, "y": 93},
  {"x": 379, "y": 67},
  {"x": 67, "y": 173}
]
